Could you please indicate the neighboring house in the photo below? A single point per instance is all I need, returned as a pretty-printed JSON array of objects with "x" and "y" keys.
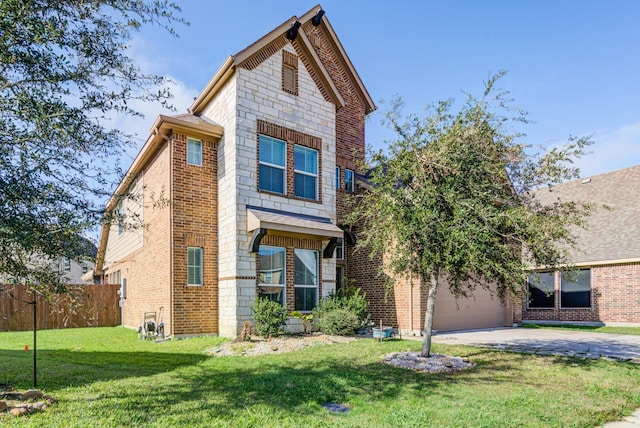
[
  {"x": 606, "y": 287},
  {"x": 256, "y": 175}
]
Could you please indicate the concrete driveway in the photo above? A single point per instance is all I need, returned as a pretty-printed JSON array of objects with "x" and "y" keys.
[{"x": 549, "y": 342}]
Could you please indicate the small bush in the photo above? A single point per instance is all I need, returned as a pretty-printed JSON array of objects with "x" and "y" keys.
[
  {"x": 351, "y": 299},
  {"x": 269, "y": 317},
  {"x": 339, "y": 321}
]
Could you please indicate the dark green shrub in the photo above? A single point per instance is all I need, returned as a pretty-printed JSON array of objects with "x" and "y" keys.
[
  {"x": 269, "y": 317},
  {"x": 339, "y": 321}
]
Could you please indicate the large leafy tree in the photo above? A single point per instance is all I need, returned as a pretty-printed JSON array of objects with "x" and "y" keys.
[
  {"x": 452, "y": 200},
  {"x": 64, "y": 72}
]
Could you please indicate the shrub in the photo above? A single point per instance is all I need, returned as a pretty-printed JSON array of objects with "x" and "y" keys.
[
  {"x": 351, "y": 299},
  {"x": 339, "y": 321},
  {"x": 269, "y": 317}
]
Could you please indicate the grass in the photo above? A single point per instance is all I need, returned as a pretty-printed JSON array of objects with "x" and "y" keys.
[
  {"x": 107, "y": 377},
  {"x": 602, "y": 329}
]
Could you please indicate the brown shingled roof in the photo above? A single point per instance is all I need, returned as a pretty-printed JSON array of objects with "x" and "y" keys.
[{"x": 613, "y": 235}]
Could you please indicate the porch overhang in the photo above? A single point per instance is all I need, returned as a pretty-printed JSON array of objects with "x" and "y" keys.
[{"x": 262, "y": 220}]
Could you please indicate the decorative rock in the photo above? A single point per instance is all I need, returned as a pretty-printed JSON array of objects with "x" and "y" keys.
[
  {"x": 33, "y": 394},
  {"x": 436, "y": 363},
  {"x": 19, "y": 411}
]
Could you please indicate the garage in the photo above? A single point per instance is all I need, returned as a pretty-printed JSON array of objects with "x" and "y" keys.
[{"x": 480, "y": 311}]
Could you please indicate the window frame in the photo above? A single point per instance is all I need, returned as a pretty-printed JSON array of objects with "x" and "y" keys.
[
  {"x": 339, "y": 251},
  {"x": 197, "y": 161},
  {"x": 282, "y": 167},
  {"x": 194, "y": 266},
  {"x": 282, "y": 285},
  {"x": 590, "y": 292},
  {"x": 552, "y": 296},
  {"x": 297, "y": 286},
  {"x": 349, "y": 180},
  {"x": 306, "y": 173}
]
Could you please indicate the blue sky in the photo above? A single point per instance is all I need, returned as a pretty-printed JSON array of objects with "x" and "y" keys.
[{"x": 573, "y": 65}]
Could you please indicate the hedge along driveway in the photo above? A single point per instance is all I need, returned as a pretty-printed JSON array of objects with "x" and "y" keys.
[{"x": 108, "y": 377}]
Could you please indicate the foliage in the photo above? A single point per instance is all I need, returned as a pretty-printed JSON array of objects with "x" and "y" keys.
[
  {"x": 64, "y": 73},
  {"x": 306, "y": 319},
  {"x": 269, "y": 317},
  {"x": 106, "y": 377},
  {"x": 453, "y": 200},
  {"x": 339, "y": 321},
  {"x": 351, "y": 299}
]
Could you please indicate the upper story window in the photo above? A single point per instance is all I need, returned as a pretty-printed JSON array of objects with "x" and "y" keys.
[
  {"x": 337, "y": 177},
  {"x": 289, "y": 73},
  {"x": 194, "y": 152},
  {"x": 85, "y": 267},
  {"x": 194, "y": 265},
  {"x": 348, "y": 180},
  {"x": 273, "y": 155},
  {"x": 305, "y": 172}
]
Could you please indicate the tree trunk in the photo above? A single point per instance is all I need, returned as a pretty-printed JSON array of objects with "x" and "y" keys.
[{"x": 428, "y": 316}]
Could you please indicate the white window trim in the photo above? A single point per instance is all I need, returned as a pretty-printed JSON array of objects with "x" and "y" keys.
[
  {"x": 297, "y": 171},
  {"x": 189, "y": 142},
  {"x": 317, "y": 286},
  {"x": 284, "y": 274},
  {"x": 353, "y": 180},
  {"x": 271, "y": 165}
]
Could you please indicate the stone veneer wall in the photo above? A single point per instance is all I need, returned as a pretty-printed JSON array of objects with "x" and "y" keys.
[{"x": 252, "y": 95}]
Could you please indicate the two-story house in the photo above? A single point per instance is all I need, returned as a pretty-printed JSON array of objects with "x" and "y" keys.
[{"x": 243, "y": 195}]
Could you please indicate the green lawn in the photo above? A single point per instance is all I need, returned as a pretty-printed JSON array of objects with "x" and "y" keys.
[
  {"x": 107, "y": 377},
  {"x": 604, "y": 329}
]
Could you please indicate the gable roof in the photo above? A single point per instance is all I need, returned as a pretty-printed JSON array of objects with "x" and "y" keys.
[
  {"x": 302, "y": 42},
  {"x": 613, "y": 235}
]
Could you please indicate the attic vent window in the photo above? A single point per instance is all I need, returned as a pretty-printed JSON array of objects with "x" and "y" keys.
[{"x": 289, "y": 73}]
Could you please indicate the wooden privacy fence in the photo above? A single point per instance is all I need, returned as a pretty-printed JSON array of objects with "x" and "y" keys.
[{"x": 92, "y": 305}]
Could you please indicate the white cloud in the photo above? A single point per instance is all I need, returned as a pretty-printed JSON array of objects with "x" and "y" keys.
[{"x": 613, "y": 149}]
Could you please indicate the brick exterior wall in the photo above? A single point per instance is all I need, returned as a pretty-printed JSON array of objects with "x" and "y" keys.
[
  {"x": 194, "y": 204},
  {"x": 146, "y": 269},
  {"x": 349, "y": 154},
  {"x": 615, "y": 298}
]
